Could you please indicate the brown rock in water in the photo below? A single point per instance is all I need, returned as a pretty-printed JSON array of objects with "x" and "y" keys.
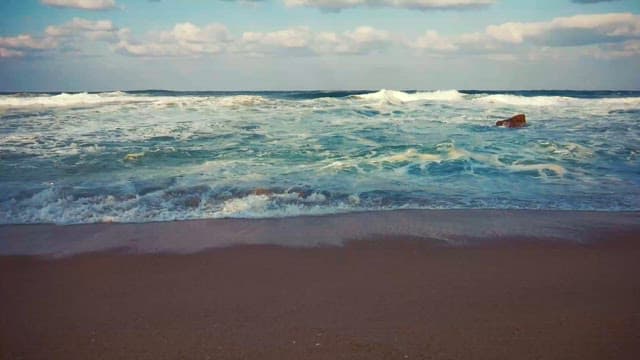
[
  {"x": 262, "y": 191},
  {"x": 513, "y": 122}
]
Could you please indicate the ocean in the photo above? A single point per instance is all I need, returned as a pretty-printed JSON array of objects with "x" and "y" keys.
[{"x": 144, "y": 156}]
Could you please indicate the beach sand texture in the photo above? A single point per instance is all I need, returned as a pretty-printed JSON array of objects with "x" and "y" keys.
[{"x": 389, "y": 297}]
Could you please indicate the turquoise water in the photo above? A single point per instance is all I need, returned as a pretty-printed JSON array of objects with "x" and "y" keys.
[{"x": 159, "y": 155}]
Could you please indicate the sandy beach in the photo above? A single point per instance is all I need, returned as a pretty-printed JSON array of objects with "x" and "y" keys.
[
  {"x": 320, "y": 180},
  {"x": 390, "y": 296}
]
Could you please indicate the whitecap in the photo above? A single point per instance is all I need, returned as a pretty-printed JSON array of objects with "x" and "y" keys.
[
  {"x": 400, "y": 97},
  {"x": 516, "y": 100},
  {"x": 540, "y": 168},
  {"x": 65, "y": 100}
]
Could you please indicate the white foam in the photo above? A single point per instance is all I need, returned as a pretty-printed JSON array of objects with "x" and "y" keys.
[
  {"x": 540, "y": 168},
  {"x": 414, "y": 155},
  {"x": 506, "y": 99},
  {"x": 626, "y": 101},
  {"x": 551, "y": 101},
  {"x": 400, "y": 97},
  {"x": 241, "y": 100},
  {"x": 68, "y": 100},
  {"x": 118, "y": 97},
  {"x": 50, "y": 206}
]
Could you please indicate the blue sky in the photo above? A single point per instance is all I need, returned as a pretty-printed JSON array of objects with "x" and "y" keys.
[{"x": 76, "y": 45}]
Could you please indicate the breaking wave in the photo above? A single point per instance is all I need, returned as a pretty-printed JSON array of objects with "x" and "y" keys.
[
  {"x": 28, "y": 102},
  {"x": 158, "y": 155},
  {"x": 399, "y": 97},
  {"x": 66, "y": 100}
]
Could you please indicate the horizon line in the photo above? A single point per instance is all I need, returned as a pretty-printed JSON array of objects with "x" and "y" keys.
[{"x": 11, "y": 92}]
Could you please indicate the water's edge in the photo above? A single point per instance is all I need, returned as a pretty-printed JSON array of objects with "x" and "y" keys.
[{"x": 449, "y": 227}]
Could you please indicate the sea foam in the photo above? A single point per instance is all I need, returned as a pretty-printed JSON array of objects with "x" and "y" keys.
[
  {"x": 399, "y": 97},
  {"x": 118, "y": 97},
  {"x": 157, "y": 156}
]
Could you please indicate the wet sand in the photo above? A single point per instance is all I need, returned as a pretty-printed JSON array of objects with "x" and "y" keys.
[{"x": 386, "y": 297}]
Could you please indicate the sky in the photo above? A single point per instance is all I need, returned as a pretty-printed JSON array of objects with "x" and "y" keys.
[{"x": 102, "y": 45}]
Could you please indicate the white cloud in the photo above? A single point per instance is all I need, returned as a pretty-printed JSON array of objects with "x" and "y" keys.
[
  {"x": 27, "y": 42},
  {"x": 68, "y": 35},
  {"x": 337, "y": 5},
  {"x": 82, "y": 4},
  {"x": 570, "y": 31},
  {"x": 94, "y": 30},
  {"x": 8, "y": 53},
  {"x": 185, "y": 39},
  {"x": 189, "y": 40},
  {"x": 603, "y": 36},
  {"x": 298, "y": 37},
  {"x": 361, "y": 40},
  {"x": 431, "y": 40},
  {"x": 533, "y": 40}
]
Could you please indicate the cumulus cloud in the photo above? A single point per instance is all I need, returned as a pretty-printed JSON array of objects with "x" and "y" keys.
[
  {"x": 337, "y": 5},
  {"x": 469, "y": 44},
  {"x": 600, "y": 32},
  {"x": 604, "y": 36},
  {"x": 56, "y": 36},
  {"x": 431, "y": 40},
  {"x": 363, "y": 39},
  {"x": 297, "y": 37},
  {"x": 189, "y": 40},
  {"x": 93, "y": 30},
  {"x": 27, "y": 42},
  {"x": 82, "y": 4},
  {"x": 8, "y": 53},
  {"x": 570, "y": 31},
  {"x": 185, "y": 39}
]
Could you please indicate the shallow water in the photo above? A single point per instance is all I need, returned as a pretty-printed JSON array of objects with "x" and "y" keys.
[{"x": 159, "y": 155}]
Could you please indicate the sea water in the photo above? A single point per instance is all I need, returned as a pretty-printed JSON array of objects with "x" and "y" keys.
[{"x": 159, "y": 155}]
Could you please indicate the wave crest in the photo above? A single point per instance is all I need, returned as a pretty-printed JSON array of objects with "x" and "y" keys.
[
  {"x": 539, "y": 101},
  {"x": 400, "y": 97},
  {"x": 66, "y": 100}
]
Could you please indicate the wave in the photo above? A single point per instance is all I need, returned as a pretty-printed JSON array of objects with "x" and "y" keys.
[
  {"x": 538, "y": 101},
  {"x": 384, "y": 96},
  {"x": 517, "y": 100},
  {"x": 51, "y": 205},
  {"x": 66, "y": 100},
  {"x": 399, "y": 97},
  {"x": 396, "y": 97}
]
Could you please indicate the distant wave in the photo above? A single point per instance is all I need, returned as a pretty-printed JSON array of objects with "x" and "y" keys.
[
  {"x": 118, "y": 97},
  {"x": 517, "y": 100},
  {"x": 65, "y": 100},
  {"x": 398, "y": 97},
  {"x": 391, "y": 97}
]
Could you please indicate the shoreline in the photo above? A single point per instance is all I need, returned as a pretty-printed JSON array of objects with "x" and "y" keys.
[{"x": 445, "y": 227}]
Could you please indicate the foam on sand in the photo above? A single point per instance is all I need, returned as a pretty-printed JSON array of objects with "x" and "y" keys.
[{"x": 455, "y": 227}]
